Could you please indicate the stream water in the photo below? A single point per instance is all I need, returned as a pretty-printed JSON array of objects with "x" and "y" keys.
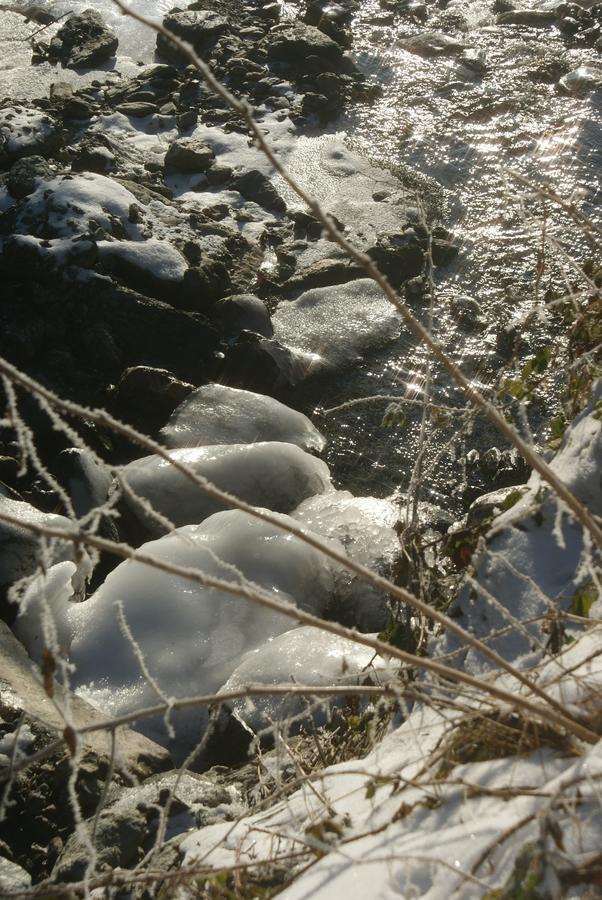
[{"x": 461, "y": 126}]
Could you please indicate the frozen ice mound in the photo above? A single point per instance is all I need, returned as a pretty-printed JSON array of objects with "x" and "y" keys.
[
  {"x": 271, "y": 474},
  {"x": 42, "y": 621},
  {"x": 364, "y": 525},
  {"x": 306, "y": 656},
  {"x": 191, "y": 637},
  {"x": 339, "y": 323},
  {"x": 217, "y": 414}
]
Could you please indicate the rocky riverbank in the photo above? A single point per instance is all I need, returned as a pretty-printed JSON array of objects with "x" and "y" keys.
[{"x": 153, "y": 265}]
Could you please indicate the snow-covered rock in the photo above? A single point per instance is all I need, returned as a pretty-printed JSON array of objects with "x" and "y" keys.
[
  {"x": 66, "y": 206},
  {"x": 337, "y": 324},
  {"x": 535, "y": 561},
  {"x": 217, "y": 414},
  {"x": 20, "y": 548},
  {"x": 364, "y": 525},
  {"x": 389, "y": 826},
  {"x": 271, "y": 474},
  {"x": 191, "y": 637},
  {"x": 303, "y": 655}
]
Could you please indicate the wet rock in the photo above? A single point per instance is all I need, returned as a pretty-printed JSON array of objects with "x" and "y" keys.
[
  {"x": 200, "y": 28},
  {"x": 242, "y": 312},
  {"x": 580, "y": 81},
  {"x": 26, "y": 132},
  {"x": 398, "y": 255},
  {"x": 534, "y": 18},
  {"x": 84, "y": 41},
  {"x": 261, "y": 365},
  {"x": 137, "y": 109},
  {"x": 255, "y": 186},
  {"x": 25, "y": 174},
  {"x": 203, "y": 285},
  {"x": 297, "y": 42},
  {"x": 433, "y": 43},
  {"x": 189, "y": 155},
  {"x": 322, "y": 273}
]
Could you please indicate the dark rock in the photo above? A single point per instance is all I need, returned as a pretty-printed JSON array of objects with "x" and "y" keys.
[
  {"x": 189, "y": 155},
  {"x": 203, "y": 285},
  {"x": 322, "y": 273},
  {"x": 200, "y": 28},
  {"x": 242, "y": 312},
  {"x": 433, "y": 43},
  {"x": 255, "y": 186},
  {"x": 535, "y": 18},
  {"x": 399, "y": 256},
  {"x": 84, "y": 41},
  {"x": 25, "y": 174},
  {"x": 77, "y": 109},
  {"x": 218, "y": 173},
  {"x": 150, "y": 333},
  {"x": 93, "y": 157},
  {"x": 261, "y": 365},
  {"x": 296, "y": 42},
  {"x": 143, "y": 387},
  {"x": 137, "y": 110}
]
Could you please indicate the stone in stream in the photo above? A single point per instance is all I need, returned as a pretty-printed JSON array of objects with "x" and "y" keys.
[
  {"x": 242, "y": 312},
  {"x": 84, "y": 41},
  {"x": 25, "y": 174}
]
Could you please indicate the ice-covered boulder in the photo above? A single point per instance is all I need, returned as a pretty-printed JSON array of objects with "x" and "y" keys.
[
  {"x": 217, "y": 414},
  {"x": 43, "y": 618},
  {"x": 271, "y": 474},
  {"x": 306, "y": 656},
  {"x": 337, "y": 324},
  {"x": 364, "y": 525},
  {"x": 20, "y": 551},
  {"x": 191, "y": 637}
]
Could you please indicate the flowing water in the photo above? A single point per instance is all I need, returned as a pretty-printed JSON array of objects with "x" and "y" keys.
[{"x": 462, "y": 126}]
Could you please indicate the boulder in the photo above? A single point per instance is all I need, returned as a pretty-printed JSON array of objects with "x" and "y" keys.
[
  {"x": 201, "y": 28},
  {"x": 189, "y": 155},
  {"x": 84, "y": 41}
]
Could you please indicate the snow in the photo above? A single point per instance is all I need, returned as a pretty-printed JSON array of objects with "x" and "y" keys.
[
  {"x": 23, "y": 131},
  {"x": 217, "y": 414},
  {"x": 534, "y": 561},
  {"x": 42, "y": 620},
  {"x": 364, "y": 525},
  {"x": 304, "y": 655},
  {"x": 405, "y": 831},
  {"x": 157, "y": 258},
  {"x": 66, "y": 204},
  {"x": 272, "y": 474},
  {"x": 191, "y": 637},
  {"x": 338, "y": 324}
]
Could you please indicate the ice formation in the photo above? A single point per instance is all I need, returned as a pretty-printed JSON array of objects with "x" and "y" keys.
[
  {"x": 364, "y": 525},
  {"x": 302, "y": 655},
  {"x": 338, "y": 323},
  {"x": 217, "y": 414},
  {"x": 191, "y": 637},
  {"x": 271, "y": 474}
]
